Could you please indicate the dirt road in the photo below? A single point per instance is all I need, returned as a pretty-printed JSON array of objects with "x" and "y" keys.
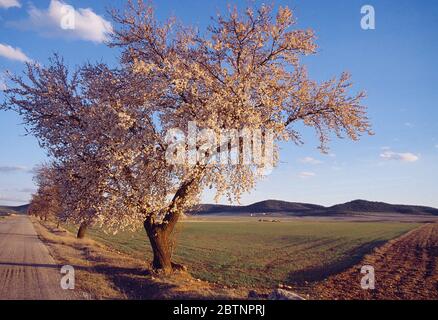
[
  {"x": 27, "y": 271},
  {"x": 405, "y": 268}
]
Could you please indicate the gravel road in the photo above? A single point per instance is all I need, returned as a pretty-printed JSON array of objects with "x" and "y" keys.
[{"x": 27, "y": 271}]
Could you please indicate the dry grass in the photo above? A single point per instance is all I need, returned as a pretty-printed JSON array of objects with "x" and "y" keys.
[
  {"x": 66, "y": 249},
  {"x": 104, "y": 273}
]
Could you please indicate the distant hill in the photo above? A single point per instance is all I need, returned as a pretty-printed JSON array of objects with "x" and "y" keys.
[
  {"x": 369, "y": 206},
  {"x": 285, "y": 208},
  {"x": 282, "y": 206},
  {"x": 267, "y": 206},
  {"x": 8, "y": 209}
]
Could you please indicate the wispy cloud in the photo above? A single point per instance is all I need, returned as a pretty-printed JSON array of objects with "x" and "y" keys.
[
  {"x": 3, "y": 85},
  {"x": 27, "y": 190},
  {"x": 12, "y": 53},
  {"x": 332, "y": 155},
  {"x": 310, "y": 160},
  {"x": 12, "y": 169},
  {"x": 399, "y": 156},
  {"x": 63, "y": 20},
  {"x": 9, "y": 4},
  {"x": 306, "y": 174},
  {"x": 7, "y": 198}
]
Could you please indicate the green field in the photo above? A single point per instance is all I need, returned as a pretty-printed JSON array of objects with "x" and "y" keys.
[{"x": 256, "y": 254}]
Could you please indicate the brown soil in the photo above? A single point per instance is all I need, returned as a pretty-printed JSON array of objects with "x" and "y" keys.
[{"x": 405, "y": 268}]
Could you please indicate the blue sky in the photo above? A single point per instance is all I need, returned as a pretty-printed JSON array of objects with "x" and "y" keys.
[{"x": 395, "y": 63}]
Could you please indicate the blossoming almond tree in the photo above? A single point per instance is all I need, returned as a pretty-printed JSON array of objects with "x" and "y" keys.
[
  {"x": 108, "y": 128},
  {"x": 45, "y": 202}
]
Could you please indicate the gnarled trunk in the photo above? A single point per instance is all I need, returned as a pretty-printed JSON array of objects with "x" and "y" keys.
[
  {"x": 160, "y": 233},
  {"x": 159, "y": 237},
  {"x": 82, "y": 230}
]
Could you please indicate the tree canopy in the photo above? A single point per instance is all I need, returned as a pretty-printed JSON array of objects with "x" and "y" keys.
[{"x": 107, "y": 129}]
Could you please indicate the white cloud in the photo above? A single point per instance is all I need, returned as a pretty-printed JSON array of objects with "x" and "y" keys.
[
  {"x": 405, "y": 157},
  {"x": 310, "y": 160},
  {"x": 332, "y": 155},
  {"x": 306, "y": 174},
  {"x": 9, "y": 4},
  {"x": 436, "y": 146},
  {"x": 2, "y": 85},
  {"x": 10, "y": 169},
  {"x": 7, "y": 198},
  {"x": 27, "y": 190},
  {"x": 63, "y": 20},
  {"x": 12, "y": 53}
]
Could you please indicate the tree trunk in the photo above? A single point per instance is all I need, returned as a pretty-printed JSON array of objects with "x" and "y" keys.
[
  {"x": 160, "y": 234},
  {"x": 159, "y": 237},
  {"x": 82, "y": 230}
]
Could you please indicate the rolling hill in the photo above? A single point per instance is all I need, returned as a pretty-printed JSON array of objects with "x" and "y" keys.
[
  {"x": 369, "y": 206},
  {"x": 285, "y": 208},
  {"x": 277, "y": 207},
  {"x": 258, "y": 207},
  {"x": 5, "y": 210}
]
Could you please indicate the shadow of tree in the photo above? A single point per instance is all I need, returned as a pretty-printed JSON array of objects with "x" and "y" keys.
[
  {"x": 134, "y": 282},
  {"x": 302, "y": 277},
  {"x": 135, "y": 279}
]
